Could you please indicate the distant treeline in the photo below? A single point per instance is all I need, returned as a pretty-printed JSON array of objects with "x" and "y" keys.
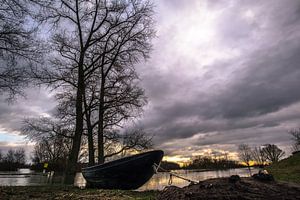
[
  {"x": 13, "y": 160},
  {"x": 168, "y": 166},
  {"x": 203, "y": 162},
  {"x": 208, "y": 162}
]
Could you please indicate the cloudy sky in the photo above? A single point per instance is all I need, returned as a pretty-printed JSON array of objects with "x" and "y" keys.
[{"x": 222, "y": 73}]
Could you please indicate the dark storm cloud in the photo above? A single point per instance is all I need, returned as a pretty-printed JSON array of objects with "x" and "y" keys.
[
  {"x": 262, "y": 86},
  {"x": 270, "y": 83},
  {"x": 248, "y": 98}
]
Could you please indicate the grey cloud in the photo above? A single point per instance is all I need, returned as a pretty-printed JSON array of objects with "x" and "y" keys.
[
  {"x": 5, "y": 146},
  {"x": 179, "y": 4},
  {"x": 270, "y": 84},
  {"x": 37, "y": 102},
  {"x": 260, "y": 82},
  {"x": 250, "y": 95}
]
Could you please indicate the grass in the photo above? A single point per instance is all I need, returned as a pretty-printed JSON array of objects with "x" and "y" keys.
[
  {"x": 287, "y": 169},
  {"x": 68, "y": 192}
]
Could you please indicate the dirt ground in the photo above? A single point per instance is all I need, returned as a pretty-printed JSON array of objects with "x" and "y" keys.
[
  {"x": 226, "y": 188},
  {"x": 72, "y": 193},
  {"x": 222, "y": 188}
]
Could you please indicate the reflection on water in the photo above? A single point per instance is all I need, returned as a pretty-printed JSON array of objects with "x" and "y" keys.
[
  {"x": 14, "y": 179},
  {"x": 157, "y": 182},
  {"x": 161, "y": 180}
]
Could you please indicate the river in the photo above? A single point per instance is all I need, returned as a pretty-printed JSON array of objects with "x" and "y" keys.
[{"x": 157, "y": 182}]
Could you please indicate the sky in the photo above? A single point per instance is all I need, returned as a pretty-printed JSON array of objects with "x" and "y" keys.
[{"x": 221, "y": 73}]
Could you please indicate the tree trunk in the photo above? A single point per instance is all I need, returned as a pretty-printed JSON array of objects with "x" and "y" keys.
[
  {"x": 90, "y": 142},
  {"x": 249, "y": 170},
  {"x": 90, "y": 132},
  {"x": 100, "y": 123},
  {"x": 73, "y": 156}
]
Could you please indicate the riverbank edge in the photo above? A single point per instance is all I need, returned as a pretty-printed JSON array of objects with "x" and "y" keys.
[{"x": 72, "y": 192}]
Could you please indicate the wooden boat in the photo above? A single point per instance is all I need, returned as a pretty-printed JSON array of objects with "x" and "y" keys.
[{"x": 126, "y": 173}]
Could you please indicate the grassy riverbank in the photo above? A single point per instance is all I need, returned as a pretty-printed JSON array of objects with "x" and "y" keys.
[
  {"x": 68, "y": 192},
  {"x": 287, "y": 169}
]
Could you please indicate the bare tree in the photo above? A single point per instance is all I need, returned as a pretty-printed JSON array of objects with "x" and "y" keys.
[
  {"x": 10, "y": 157},
  {"x": 123, "y": 101},
  {"x": 18, "y": 45},
  {"x": 258, "y": 155},
  {"x": 9, "y": 162},
  {"x": 295, "y": 133},
  {"x": 37, "y": 129},
  {"x": 20, "y": 157},
  {"x": 245, "y": 155},
  {"x": 53, "y": 151},
  {"x": 53, "y": 140},
  {"x": 273, "y": 153},
  {"x": 111, "y": 28},
  {"x": 132, "y": 140},
  {"x": 53, "y": 137}
]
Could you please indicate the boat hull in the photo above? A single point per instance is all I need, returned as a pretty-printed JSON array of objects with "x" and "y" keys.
[{"x": 126, "y": 173}]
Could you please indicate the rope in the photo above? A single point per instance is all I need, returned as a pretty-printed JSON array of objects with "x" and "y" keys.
[{"x": 173, "y": 174}]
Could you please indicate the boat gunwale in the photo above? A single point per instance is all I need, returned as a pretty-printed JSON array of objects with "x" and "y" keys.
[{"x": 118, "y": 161}]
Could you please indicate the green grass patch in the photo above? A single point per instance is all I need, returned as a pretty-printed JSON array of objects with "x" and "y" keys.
[{"x": 287, "y": 169}]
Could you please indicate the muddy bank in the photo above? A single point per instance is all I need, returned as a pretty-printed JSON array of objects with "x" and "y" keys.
[
  {"x": 226, "y": 188},
  {"x": 63, "y": 192}
]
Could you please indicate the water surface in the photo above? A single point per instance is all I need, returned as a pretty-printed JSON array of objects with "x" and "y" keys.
[
  {"x": 12, "y": 178},
  {"x": 157, "y": 182},
  {"x": 161, "y": 180}
]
